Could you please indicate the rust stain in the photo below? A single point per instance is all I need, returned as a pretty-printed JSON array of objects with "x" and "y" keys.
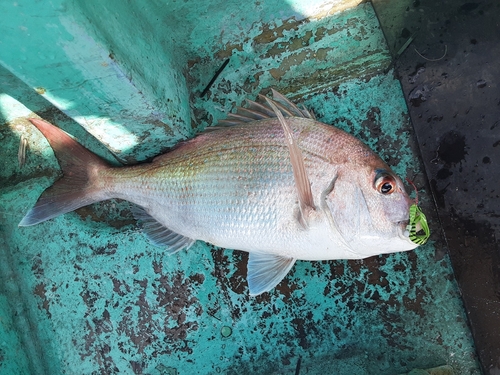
[
  {"x": 40, "y": 291},
  {"x": 276, "y": 73},
  {"x": 415, "y": 305},
  {"x": 290, "y": 45},
  {"x": 228, "y": 50},
  {"x": 269, "y": 34},
  {"x": 193, "y": 62}
]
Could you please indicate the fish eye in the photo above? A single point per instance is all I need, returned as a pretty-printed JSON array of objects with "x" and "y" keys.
[{"x": 385, "y": 183}]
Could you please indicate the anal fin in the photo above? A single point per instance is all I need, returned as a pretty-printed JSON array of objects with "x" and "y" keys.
[
  {"x": 265, "y": 271},
  {"x": 158, "y": 234}
]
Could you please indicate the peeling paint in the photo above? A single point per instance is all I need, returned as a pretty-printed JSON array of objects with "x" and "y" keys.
[{"x": 298, "y": 57}]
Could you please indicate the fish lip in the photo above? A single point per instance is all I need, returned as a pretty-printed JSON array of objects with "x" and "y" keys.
[{"x": 402, "y": 231}]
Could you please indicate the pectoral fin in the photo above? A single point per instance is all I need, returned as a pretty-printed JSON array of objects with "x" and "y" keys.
[
  {"x": 302, "y": 183},
  {"x": 265, "y": 271}
]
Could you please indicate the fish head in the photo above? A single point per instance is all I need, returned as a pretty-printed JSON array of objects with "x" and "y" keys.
[{"x": 370, "y": 208}]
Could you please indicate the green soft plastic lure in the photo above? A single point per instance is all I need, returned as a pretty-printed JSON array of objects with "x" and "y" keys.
[{"x": 418, "y": 228}]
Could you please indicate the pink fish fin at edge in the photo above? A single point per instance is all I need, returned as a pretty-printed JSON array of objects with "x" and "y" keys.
[
  {"x": 265, "y": 271},
  {"x": 302, "y": 183},
  {"x": 76, "y": 188},
  {"x": 158, "y": 234}
]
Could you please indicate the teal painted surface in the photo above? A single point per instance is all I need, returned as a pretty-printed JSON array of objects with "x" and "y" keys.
[
  {"x": 13, "y": 357},
  {"x": 192, "y": 28},
  {"x": 51, "y": 48},
  {"x": 98, "y": 298}
]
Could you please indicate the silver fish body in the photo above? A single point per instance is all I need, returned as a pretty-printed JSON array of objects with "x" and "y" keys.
[{"x": 315, "y": 193}]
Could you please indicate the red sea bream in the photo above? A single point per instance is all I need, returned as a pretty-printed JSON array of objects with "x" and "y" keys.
[{"x": 270, "y": 180}]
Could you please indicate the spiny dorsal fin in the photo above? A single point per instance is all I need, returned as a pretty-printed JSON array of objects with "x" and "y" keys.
[
  {"x": 286, "y": 103},
  {"x": 259, "y": 111},
  {"x": 252, "y": 113},
  {"x": 307, "y": 113},
  {"x": 291, "y": 107},
  {"x": 261, "y": 108}
]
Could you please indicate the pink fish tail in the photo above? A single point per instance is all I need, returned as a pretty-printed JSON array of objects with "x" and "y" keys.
[{"x": 76, "y": 188}]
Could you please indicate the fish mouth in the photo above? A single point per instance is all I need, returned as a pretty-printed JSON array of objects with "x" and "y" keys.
[{"x": 403, "y": 232}]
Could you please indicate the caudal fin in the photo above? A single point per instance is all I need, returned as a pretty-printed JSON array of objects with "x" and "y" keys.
[{"x": 76, "y": 188}]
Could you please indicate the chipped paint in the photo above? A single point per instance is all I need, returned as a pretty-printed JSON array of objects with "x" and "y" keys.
[{"x": 299, "y": 57}]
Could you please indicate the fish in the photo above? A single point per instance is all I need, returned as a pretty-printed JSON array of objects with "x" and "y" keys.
[{"x": 270, "y": 180}]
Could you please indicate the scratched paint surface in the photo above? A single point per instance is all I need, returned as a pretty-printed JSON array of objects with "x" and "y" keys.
[{"x": 95, "y": 297}]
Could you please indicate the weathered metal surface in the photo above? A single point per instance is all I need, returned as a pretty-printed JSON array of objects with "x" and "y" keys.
[
  {"x": 105, "y": 301},
  {"x": 296, "y": 56},
  {"x": 111, "y": 302}
]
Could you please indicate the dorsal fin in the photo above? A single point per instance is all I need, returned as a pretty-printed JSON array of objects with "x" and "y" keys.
[
  {"x": 252, "y": 113},
  {"x": 262, "y": 110}
]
